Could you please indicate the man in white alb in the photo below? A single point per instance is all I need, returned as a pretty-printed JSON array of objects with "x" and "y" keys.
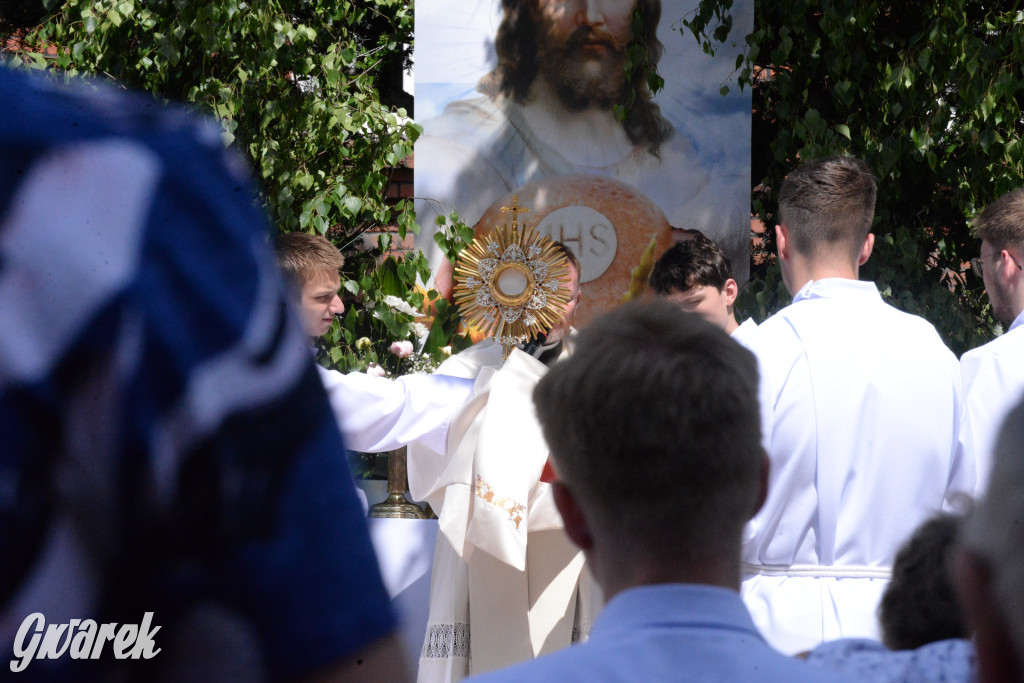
[
  {"x": 993, "y": 375},
  {"x": 861, "y": 404}
]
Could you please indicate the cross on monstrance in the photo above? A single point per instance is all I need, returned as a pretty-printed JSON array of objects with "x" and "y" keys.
[{"x": 515, "y": 209}]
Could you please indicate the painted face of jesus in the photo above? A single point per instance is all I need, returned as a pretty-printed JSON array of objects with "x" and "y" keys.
[{"x": 582, "y": 46}]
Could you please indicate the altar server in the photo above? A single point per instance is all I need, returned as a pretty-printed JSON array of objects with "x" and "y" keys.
[
  {"x": 695, "y": 274},
  {"x": 993, "y": 375},
  {"x": 860, "y": 405},
  {"x": 376, "y": 414}
]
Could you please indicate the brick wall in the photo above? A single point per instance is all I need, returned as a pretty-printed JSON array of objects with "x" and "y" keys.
[{"x": 401, "y": 187}]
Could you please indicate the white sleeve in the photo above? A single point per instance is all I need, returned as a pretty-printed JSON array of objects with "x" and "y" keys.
[
  {"x": 378, "y": 414},
  {"x": 963, "y": 470},
  {"x": 980, "y": 415}
]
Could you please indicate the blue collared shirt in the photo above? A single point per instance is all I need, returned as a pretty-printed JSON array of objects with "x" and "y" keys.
[
  {"x": 945, "y": 661},
  {"x": 669, "y": 632}
]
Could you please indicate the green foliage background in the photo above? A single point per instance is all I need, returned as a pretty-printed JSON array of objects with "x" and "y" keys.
[
  {"x": 297, "y": 86},
  {"x": 928, "y": 93}
]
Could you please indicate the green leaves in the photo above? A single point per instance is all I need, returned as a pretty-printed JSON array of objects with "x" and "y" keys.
[
  {"x": 296, "y": 87},
  {"x": 929, "y": 94}
]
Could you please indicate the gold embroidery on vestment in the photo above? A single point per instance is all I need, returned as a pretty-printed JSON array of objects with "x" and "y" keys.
[{"x": 515, "y": 510}]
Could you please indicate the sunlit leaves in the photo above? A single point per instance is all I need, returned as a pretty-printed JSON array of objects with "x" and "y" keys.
[
  {"x": 929, "y": 94},
  {"x": 294, "y": 84}
]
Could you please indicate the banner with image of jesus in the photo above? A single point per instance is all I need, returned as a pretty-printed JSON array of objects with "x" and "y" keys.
[{"x": 533, "y": 98}]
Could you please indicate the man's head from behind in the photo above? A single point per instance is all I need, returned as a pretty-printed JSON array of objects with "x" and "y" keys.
[
  {"x": 695, "y": 275},
  {"x": 989, "y": 567},
  {"x": 654, "y": 432},
  {"x": 1001, "y": 228},
  {"x": 579, "y": 48},
  {"x": 826, "y": 208},
  {"x": 310, "y": 264},
  {"x": 918, "y": 606}
]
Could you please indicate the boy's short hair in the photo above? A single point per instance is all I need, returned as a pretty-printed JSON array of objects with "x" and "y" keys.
[
  {"x": 302, "y": 257},
  {"x": 693, "y": 262},
  {"x": 919, "y": 606}
]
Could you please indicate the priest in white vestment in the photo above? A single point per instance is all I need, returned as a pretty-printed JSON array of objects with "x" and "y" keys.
[
  {"x": 993, "y": 374},
  {"x": 507, "y": 584},
  {"x": 861, "y": 404}
]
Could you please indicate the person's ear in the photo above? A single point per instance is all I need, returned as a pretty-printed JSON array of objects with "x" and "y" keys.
[
  {"x": 865, "y": 249},
  {"x": 1009, "y": 272},
  {"x": 576, "y": 527},
  {"x": 731, "y": 290},
  {"x": 972, "y": 580},
  {"x": 782, "y": 241}
]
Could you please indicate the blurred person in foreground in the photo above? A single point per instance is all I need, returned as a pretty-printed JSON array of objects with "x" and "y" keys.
[
  {"x": 989, "y": 564},
  {"x": 655, "y": 436},
  {"x": 168, "y": 454},
  {"x": 925, "y": 632}
]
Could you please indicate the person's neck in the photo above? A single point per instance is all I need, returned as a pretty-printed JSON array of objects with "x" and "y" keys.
[
  {"x": 1017, "y": 301},
  {"x": 730, "y": 323},
  {"x": 616, "y": 576},
  {"x": 803, "y": 270},
  {"x": 588, "y": 137}
]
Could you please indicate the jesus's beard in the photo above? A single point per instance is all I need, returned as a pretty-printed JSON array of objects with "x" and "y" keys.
[{"x": 584, "y": 74}]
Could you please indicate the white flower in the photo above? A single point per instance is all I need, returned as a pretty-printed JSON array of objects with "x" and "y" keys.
[
  {"x": 400, "y": 305},
  {"x": 446, "y": 350},
  {"x": 374, "y": 370},
  {"x": 420, "y": 330},
  {"x": 363, "y": 343},
  {"x": 402, "y": 349}
]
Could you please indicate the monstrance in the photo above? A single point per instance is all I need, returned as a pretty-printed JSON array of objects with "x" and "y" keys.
[{"x": 512, "y": 284}]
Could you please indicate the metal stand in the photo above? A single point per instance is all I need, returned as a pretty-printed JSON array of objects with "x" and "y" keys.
[{"x": 396, "y": 504}]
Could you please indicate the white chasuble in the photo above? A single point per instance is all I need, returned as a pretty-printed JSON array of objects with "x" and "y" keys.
[{"x": 507, "y": 584}]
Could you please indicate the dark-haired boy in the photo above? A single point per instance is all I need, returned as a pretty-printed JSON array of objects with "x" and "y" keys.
[{"x": 697, "y": 276}]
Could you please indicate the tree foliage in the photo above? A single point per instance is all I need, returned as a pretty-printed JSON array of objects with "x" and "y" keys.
[
  {"x": 296, "y": 85},
  {"x": 928, "y": 93}
]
